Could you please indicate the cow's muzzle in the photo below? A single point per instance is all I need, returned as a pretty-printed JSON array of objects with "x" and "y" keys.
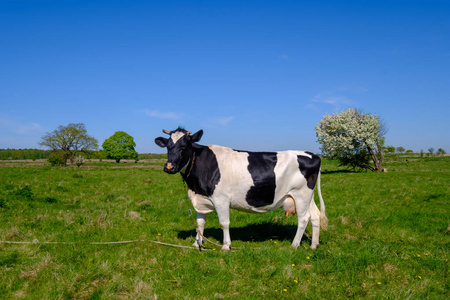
[{"x": 169, "y": 168}]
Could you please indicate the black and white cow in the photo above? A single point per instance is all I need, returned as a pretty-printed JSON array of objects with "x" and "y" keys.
[{"x": 220, "y": 178}]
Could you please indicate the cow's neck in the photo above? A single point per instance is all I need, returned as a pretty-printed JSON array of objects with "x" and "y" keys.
[{"x": 186, "y": 171}]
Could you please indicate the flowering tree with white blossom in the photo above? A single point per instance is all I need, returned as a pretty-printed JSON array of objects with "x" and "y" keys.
[{"x": 354, "y": 138}]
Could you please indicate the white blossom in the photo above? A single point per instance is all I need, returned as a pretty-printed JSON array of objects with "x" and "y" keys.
[{"x": 347, "y": 133}]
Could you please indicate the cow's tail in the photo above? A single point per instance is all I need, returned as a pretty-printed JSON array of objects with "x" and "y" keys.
[{"x": 323, "y": 217}]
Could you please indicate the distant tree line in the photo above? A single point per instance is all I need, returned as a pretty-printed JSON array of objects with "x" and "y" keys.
[
  {"x": 400, "y": 149},
  {"x": 152, "y": 156},
  {"x": 15, "y": 154}
]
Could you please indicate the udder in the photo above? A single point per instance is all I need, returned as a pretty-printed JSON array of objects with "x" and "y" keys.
[{"x": 289, "y": 206}]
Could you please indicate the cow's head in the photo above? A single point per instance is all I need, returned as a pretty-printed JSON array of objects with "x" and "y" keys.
[{"x": 179, "y": 148}]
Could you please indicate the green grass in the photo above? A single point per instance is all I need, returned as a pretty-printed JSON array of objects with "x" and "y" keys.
[{"x": 388, "y": 237}]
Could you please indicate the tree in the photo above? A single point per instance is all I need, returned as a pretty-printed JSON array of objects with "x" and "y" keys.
[
  {"x": 390, "y": 149},
  {"x": 120, "y": 146},
  {"x": 69, "y": 140},
  {"x": 400, "y": 149},
  {"x": 441, "y": 151},
  {"x": 354, "y": 138}
]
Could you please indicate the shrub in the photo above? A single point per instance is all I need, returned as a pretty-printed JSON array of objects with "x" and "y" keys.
[
  {"x": 80, "y": 160},
  {"x": 57, "y": 159}
]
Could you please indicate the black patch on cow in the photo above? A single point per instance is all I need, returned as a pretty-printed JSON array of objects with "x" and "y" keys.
[
  {"x": 261, "y": 166},
  {"x": 310, "y": 168},
  {"x": 203, "y": 176}
]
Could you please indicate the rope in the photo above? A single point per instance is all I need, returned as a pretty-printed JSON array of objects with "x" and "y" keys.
[{"x": 35, "y": 241}]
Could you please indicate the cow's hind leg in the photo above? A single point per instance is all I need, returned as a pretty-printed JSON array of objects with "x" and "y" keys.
[
  {"x": 201, "y": 220},
  {"x": 302, "y": 203},
  {"x": 315, "y": 222},
  {"x": 223, "y": 212}
]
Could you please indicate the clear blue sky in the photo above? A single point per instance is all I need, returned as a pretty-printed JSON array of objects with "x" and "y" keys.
[{"x": 254, "y": 75}]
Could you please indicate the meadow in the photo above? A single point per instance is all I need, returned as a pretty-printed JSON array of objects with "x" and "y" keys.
[{"x": 388, "y": 236}]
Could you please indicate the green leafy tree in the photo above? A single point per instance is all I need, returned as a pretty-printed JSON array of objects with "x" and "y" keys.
[
  {"x": 69, "y": 140},
  {"x": 120, "y": 146},
  {"x": 441, "y": 151},
  {"x": 390, "y": 149},
  {"x": 400, "y": 149},
  {"x": 354, "y": 138}
]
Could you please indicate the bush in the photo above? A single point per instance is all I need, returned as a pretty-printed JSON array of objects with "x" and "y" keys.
[
  {"x": 57, "y": 159},
  {"x": 80, "y": 160}
]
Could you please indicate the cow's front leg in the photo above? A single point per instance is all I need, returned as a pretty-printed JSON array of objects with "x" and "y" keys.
[
  {"x": 201, "y": 220},
  {"x": 223, "y": 213}
]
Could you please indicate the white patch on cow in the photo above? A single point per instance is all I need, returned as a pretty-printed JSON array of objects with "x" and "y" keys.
[
  {"x": 176, "y": 136},
  {"x": 200, "y": 203},
  {"x": 235, "y": 180}
]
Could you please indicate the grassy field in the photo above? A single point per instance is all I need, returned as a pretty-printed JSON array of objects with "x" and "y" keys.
[{"x": 388, "y": 237}]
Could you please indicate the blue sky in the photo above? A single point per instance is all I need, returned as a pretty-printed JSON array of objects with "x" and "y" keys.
[{"x": 254, "y": 75}]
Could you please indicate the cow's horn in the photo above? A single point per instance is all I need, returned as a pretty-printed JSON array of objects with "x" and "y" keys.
[
  {"x": 189, "y": 132},
  {"x": 166, "y": 131}
]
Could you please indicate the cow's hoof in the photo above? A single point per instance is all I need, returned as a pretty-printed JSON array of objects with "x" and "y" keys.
[
  {"x": 313, "y": 247},
  {"x": 196, "y": 244},
  {"x": 226, "y": 248}
]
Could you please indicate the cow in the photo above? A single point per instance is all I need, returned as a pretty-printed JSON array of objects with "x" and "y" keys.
[{"x": 219, "y": 178}]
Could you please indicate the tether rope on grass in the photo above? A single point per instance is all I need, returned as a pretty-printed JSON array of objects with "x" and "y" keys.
[{"x": 98, "y": 243}]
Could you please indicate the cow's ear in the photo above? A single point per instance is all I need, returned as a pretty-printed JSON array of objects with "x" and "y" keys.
[
  {"x": 197, "y": 136},
  {"x": 162, "y": 142}
]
